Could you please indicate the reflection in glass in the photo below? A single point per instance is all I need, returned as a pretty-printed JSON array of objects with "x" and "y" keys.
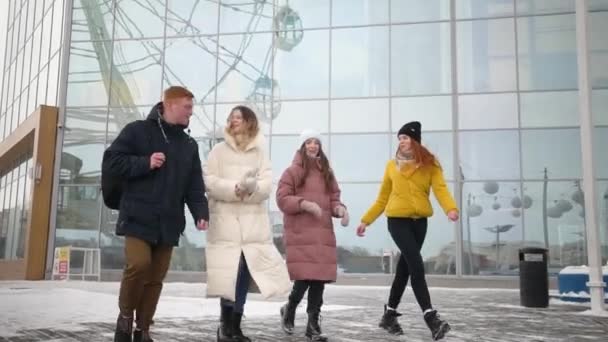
[
  {"x": 190, "y": 62},
  {"x": 602, "y": 193},
  {"x": 483, "y": 158},
  {"x": 536, "y": 7},
  {"x": 88, "y": 77},
  {"x": 417, "y": 11},
  {"x": 420, "y": 59},
  {"x": 471, "y": 9},
  {"x": 488, "y": 111},
  {"x": 244, "y": 59},
  {"x": 367, "y": 70},
  {"x": 191, "y": 17},
  {"x": 136, "y": 73},
  {"x": 245, "y": 16},
  {"x": 558, "y": 151},
  {"x": 359, "y": 12},
  {"x": 361, "y": 115},
  {"x": 375, "y": 148},
  {"x": 557, "y": 222},
  {"x": 297, "y": 115},
  {"x": 492, "y": 226},
  {"x": 486, "y": 55},
  {"x": 600, "y": 136},
  {"x": 441, "y": 144},
  {"x": 599, "y": 107},
  {"x": 304, "y": 71},
  {"x": 549, "y": 109},
  {"x": 83, "y": 145},
  {"x": 85, "y": 20},
  {"x": 140, "y": 19},
  {"x": 435, "y": 113},
  {"x": 598, "y": 26},
  {"x": 547, "y": 52}
]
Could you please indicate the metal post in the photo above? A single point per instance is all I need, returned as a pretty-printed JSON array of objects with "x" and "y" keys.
[{"x": 596, "y": 285}]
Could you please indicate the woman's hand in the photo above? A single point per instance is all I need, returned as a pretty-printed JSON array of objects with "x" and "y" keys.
[
  {"x": 453, "y": 215},
  {"x": 361, "y": 229}
]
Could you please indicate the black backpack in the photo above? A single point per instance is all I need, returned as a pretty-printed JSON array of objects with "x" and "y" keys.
[{"x": 112, "y": 185}]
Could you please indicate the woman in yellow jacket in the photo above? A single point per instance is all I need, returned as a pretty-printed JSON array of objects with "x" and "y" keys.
[{"x": 404, "y": 199}]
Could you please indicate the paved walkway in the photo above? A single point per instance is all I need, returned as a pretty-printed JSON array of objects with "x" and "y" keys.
[{"x": 61, "y": 312}]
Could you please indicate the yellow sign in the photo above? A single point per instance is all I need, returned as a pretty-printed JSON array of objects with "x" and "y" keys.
[{"x": 62, "y": 262}]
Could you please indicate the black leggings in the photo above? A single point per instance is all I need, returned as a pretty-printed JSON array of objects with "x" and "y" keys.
[
  {"x": 409, "y": 235},
  {"x": 315, "y": 294}
]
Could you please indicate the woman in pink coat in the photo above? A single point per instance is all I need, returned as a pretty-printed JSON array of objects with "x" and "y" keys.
[{"x": 309, "y": 196}]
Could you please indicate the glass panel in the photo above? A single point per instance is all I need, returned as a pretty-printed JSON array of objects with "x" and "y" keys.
[
  {"x": 112, "y": 246},
  {"x": 137, "y": 73},
  {"x": 8, "y": 210},
  {"x": 467, "y": 9},
  {"x": 547, "y": 52},
  {"x": 416, "y": 11},
  {"x": 598, "y": 26},
  {"x": 57, "y": 33},
  {"x": 486, "y": 55},
  {"x": 492, "y": 227},
  {"x": 221, "y": 117},
  {"x": 35, "y": 63},
  {"x": 302, "y": 74},
  {"x": 375, "y": 148},
  {"x": 362, "y": 115},
  {"x": 190, "y": 255},
  {"x": 86, "y": 23},
  {"x": 488, "y": 111},
  {"x": 190, "y": 62},
  {"x": 366, "y": 72},
  {"x": 53, "y": 82},
  {"x": 311, "y": 13},
  {"x": 42, "y": 85},
  {"x": 83, "y": 145},
  {"x": 3, "y": 227},
  {"x": 283, "y": 150},
  {"x": 140, "y": 19},
  {"x": 435, "y": 113},
  {"x": 420, "y": 59},
  {"x": 201, "y": 123},
  {"x": 186, "y": 17},
  {"x": 556, "y": 151},
  {"x": 359, "y": 12},
  {"x": 245, "y": 16},
  {"x": 555, "y": 221},
  {"x": 27, "y": 58},
  {"x": 441, "y": 144},
  {"x": 362, "y": 255},
  {"x": 482, "y": 158},
  {"x": 78, "y": 216},
  {"x": 244, "y": 68},
  {"x": 599, "y": 106},
  {"x": 603, "y": 216},
  {"x": 549, "y": 109},
  {"x": 600, "y": 137},
  {"x": 20, "y": 226},
  {"x": 295, "y": 116},
  {"x": 88, "y": 75},
  {"x": 118, "y": 118},
  {"x": 46, "y": 39},
  {"x": 439, "y": 249},
  {"x": 536, "y": 7},
  {"x": 598, "y": 5}
]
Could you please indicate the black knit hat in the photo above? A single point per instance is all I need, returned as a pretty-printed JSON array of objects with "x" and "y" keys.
[{"x": 413, "y": 130}]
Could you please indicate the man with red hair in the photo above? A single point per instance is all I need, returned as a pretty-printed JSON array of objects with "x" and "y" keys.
[{"x": 158, "y": 168}]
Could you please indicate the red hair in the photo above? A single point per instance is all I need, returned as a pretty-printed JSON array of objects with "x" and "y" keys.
[{"x": 422, "y": 155}]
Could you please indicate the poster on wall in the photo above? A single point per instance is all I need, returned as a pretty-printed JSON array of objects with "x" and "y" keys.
[{"x": 62, "y": 263}]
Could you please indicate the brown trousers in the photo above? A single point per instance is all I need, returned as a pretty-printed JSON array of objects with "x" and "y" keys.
[{"x": 142, "y": 279}]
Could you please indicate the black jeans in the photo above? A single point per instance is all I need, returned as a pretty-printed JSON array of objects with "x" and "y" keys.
[
  {"x": 315, "y": 294},
  {"x": 242, "y": 288},
  {"x": 409, "y": 235}
]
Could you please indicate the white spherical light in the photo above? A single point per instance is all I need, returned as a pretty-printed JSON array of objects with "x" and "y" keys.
[
  {"x": 491, "y": 187},
  {"x": 516, "y": 202},
  {"x": 527, "y": 202}
]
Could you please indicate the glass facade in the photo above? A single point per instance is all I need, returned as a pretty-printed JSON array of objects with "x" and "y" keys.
[{"x": 493, "y": 82}]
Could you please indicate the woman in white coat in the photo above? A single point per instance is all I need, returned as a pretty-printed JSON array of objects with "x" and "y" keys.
[{"x": 240, "y": 250}]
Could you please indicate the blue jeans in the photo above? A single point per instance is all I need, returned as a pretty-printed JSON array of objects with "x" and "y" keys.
[{"x": 243, "y": 279}]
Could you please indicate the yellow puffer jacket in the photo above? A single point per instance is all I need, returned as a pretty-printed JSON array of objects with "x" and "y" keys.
[{"x": 405, "y": 193}]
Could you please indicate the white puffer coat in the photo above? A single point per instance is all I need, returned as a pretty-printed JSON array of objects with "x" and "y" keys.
[{"x": 241, "y": 226}]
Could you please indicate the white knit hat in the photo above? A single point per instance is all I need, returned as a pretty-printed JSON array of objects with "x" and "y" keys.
[{"x": 309, "y": 134}]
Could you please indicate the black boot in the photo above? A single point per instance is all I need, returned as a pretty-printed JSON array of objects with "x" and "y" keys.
[
  {"x": 437, "y": 326},
  {"x": 224, "y": 332},
  {"x": 288, "y": 316},
  {"x": 313, "y": 329},
  {"x": 141, "y": 336},
  {"x": 237, "y": 333},
  {"x": 124, "y": 329},
  {"x": 389, "y": 322}
]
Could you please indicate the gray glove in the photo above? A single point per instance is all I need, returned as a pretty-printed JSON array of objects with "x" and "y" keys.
[
  {"x": 312, "y": 208},
  {"x": 249, "y": 182}
]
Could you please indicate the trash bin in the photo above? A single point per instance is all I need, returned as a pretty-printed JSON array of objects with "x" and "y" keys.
[{"x": 533, "y": 277}]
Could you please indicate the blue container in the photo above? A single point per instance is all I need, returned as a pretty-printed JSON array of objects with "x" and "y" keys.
[{"x": 572, "y": 283}]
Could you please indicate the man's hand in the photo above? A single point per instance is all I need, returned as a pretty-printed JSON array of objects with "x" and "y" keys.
[
  {"x": 157, "y": 160},
  {"x": 202, "y": 225}
]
